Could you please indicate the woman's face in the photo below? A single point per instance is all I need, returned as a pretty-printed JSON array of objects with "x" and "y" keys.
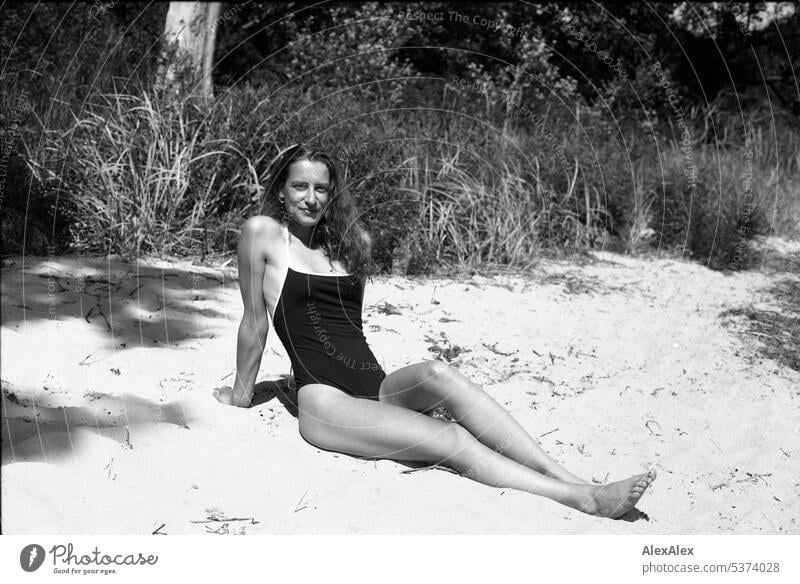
[{"x": 306, "y": 192}]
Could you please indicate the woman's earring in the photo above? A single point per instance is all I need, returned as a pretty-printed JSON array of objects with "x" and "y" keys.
[{"x": 284, "y": 212}]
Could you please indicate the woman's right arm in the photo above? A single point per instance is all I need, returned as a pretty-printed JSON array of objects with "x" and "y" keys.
[{"x": 252, "y": 254}]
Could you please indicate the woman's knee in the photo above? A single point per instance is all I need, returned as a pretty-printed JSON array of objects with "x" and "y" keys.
[
  {"x": 440, "y": 379},
  {"x": 432, "y": 372}
]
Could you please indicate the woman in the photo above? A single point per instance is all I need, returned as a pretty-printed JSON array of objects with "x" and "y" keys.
[{"x": 305, "y": 263}]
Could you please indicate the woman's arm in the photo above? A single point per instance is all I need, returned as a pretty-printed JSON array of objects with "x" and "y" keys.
[
  {"x": 367, "y": 243},
  {"x": 252, "y": 337}
]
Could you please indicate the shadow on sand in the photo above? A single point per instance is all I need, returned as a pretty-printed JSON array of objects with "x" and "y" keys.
[
  {"x": 136, "y": 305},
  {"x": 35, "y": 433},
  {"x": 281, "y": 389}
]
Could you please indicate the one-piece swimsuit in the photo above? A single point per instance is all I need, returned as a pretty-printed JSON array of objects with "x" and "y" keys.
[{"x": 318, "y": 320}]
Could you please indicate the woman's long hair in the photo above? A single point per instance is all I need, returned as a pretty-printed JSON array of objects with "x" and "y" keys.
[{"x": 339, "y": 232}]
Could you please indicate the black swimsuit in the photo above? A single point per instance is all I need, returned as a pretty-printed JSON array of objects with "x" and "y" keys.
[{"x": 318, "y": 320}]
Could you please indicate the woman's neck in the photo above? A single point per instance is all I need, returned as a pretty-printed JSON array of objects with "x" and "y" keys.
[{"x": 303, "y": 233}]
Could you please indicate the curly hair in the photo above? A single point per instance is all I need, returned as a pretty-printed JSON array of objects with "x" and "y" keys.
[{"x": 339, "y": 233}]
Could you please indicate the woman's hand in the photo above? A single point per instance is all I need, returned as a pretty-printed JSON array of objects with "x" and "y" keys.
[{"x": 231, "y": 397}]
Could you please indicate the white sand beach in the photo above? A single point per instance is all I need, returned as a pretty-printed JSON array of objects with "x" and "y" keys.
[{"x": 615, "y": 365}]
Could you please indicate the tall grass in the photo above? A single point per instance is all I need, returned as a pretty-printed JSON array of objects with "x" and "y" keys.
[
  {"x": 631, "y": 193},
  {"x": 455, "y": 183},
  {"x": 505, "y": 215},
  {"x": 141, "y": 174},
  {"x": 745, "y": 187}
]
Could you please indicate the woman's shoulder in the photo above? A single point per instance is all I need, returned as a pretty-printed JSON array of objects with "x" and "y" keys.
[
  {"x": 261, "y": 231},
  {"x": 262, "y": 222},
  {"x": 261, "y": 225}
]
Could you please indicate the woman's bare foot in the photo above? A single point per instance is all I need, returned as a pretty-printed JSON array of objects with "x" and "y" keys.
[
  {"x": 230, "y": 397},
  {"x": 615, "y": 499}
]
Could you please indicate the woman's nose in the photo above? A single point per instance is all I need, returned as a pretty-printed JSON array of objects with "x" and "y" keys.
[{"x": 311, "y": 196}]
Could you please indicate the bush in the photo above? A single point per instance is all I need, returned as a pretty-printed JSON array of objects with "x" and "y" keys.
[
  {"x": 29, "y": 224},
  {"x": 730, "y": 203},
  {"x": 142, "y": 174}
]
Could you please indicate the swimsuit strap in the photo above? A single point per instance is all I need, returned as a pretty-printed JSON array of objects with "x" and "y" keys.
[
  {"x": 285, "y": 267},
  {"x": 286, "y": 241},
  {"x": 283, "y": 283}
]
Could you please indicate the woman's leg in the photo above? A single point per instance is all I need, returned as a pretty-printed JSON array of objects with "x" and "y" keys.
[
  {"x": 431, "y": 384},
  {"x": 333, "y": 420}
]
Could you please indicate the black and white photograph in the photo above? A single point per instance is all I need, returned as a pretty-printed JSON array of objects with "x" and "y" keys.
[{"x": 400, "y": 268}]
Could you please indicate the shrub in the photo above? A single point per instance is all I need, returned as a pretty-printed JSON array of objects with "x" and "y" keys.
[{"x": 142, "y": 175}]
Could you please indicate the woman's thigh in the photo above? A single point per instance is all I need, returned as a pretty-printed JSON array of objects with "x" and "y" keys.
[
  {"x": 334, "y": 420},
  {"x": 420, "y": 387}
]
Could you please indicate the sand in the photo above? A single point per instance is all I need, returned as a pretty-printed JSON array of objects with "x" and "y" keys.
[{"x": 615, "y": 365}]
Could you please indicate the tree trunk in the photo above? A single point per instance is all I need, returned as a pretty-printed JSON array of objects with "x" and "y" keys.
[{"x": 190, "y": 32}]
